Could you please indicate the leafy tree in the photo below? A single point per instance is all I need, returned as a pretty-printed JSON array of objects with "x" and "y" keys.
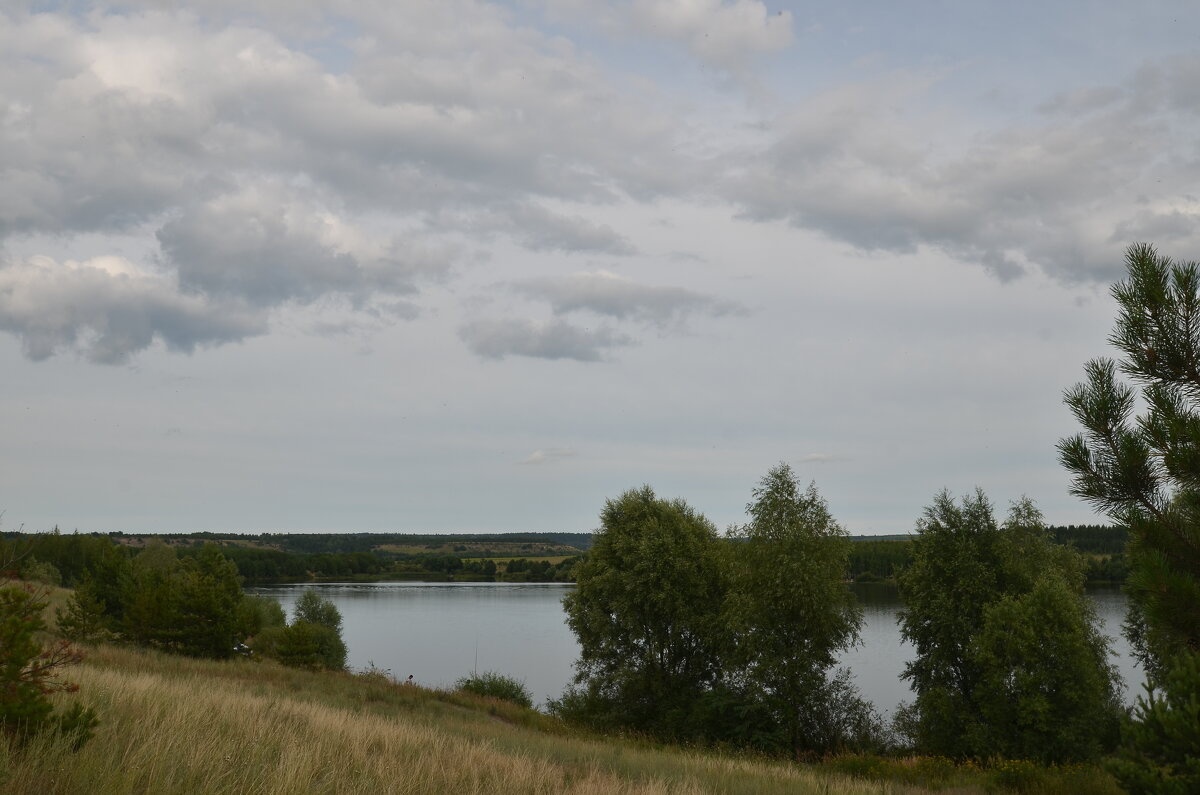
[
  {"x": 647, "y": 614},
  {"x": 791, "y": 610},
  {"x": 315, "y": 609},
  {"x": 998, "y": 616},
  {"x": 1144, "y": 471},
  {"x": 313, "y": 639},
  {"x": 1046, "y": 689}
]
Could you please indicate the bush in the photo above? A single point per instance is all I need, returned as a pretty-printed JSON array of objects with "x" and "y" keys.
[
  {"x": 495, "y": 685},
  {"x": 304, "y": 644}
]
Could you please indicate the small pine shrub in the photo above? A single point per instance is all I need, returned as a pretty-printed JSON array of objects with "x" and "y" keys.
[{"x": 1160, "y": 742}]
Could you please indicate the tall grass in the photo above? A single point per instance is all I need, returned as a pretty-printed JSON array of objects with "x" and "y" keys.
[{"x": 176, "y": 725}]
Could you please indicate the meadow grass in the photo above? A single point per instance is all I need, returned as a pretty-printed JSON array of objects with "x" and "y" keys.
[{"x": 178, "y": 725}]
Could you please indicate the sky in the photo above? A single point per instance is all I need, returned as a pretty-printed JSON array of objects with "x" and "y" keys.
[{"x": 463, "y": 266}]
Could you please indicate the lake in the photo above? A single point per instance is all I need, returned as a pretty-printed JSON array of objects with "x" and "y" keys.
[{"x": 439, "y": 632}]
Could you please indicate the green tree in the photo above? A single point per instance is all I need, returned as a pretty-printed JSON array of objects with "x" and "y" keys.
[
  {"x": 791, "y": 610},
  {"x": 647, "y": 613},
  {"x": 1144, "y": 471},
  {"x": 997, "y": 614},
  {"x": 190, "y": 606},
  {"x": 313, "y": 639},
  {"x": 315, "y": 609}
]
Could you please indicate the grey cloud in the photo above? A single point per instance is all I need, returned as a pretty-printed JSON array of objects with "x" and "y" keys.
[
  {"x": 1039, "y": 195},
  {"x": 261, "y": 170},
  {"x": 543, "y": 230},
  {"x": 621, "y": 298},
  {"x": 109, "y": 311},
  {"x": 269, "y": 248},
  {"x": 555, "y": 339}
]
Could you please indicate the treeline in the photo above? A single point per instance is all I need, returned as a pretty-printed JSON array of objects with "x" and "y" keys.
[
  {"x": 350, "y": 543},
  {"x": 689, "y": 637},
  {"x": 65, "y": 559},
  {"x": 1103, "y": 547}
]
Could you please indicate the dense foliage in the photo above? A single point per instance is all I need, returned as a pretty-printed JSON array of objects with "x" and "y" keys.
[
  {"x": 1144, "y": 471},
  {"x": 647, "y": 614},
  {"x": 686, "y": 636},
  {"x": 1009, "y": 658}
]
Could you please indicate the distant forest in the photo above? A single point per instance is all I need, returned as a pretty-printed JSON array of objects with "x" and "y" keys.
[{"x": 508, "y": 557}]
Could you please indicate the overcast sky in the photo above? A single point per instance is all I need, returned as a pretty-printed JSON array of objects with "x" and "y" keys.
[{"x": 466, "y": 266}]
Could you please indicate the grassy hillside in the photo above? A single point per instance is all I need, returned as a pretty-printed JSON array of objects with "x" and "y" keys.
[{"x": 179, "y": 725}]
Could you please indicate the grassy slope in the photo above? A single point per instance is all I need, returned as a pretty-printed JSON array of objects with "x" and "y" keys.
[{"x": 178, "y": 725}]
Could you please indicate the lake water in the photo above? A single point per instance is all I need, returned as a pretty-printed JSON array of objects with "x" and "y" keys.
[{"x": 439, "y": 632}]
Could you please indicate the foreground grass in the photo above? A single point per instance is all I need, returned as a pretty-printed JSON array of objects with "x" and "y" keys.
[{"x": 177, "y": 725}]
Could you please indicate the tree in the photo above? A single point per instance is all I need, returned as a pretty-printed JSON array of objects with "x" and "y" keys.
[
  {"x": 190, "y": 606},
  {"x": 647, "y": 613},
  {"x": 313, "y": 639},
  {"x": 315, "y": 609},
  {"x": 1007, "y": 648},
  {"x": 791, "y": 610},
  {"x": 1144, "y": 471}
]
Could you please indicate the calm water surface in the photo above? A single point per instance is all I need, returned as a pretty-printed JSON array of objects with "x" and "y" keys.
[{"x": 440, "y": 631}]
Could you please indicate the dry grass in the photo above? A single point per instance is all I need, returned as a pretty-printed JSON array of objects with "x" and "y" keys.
[{"x": 173, "y": 725}]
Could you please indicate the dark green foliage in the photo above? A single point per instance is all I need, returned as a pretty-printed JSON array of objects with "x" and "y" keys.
[
  {"x": 878, "y": 560},
  {"x": 1008, "y": 655},
  {"x": 1045, "y": 690},
  {"x": 188, "y": 606},
  {"x": 1092, "y": 538},
  {"x": 495, "y": 685},
  {"x": 1160, "y": 741},
  {"x": 1144, "y": 471},
  {"x": 83, "y": 619},
  {"x": 29, "y": 672},
  {"x": 303, "y": 644},
  {"x": 688, "y": 637},
  {"x": 646, "y": 613}
]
